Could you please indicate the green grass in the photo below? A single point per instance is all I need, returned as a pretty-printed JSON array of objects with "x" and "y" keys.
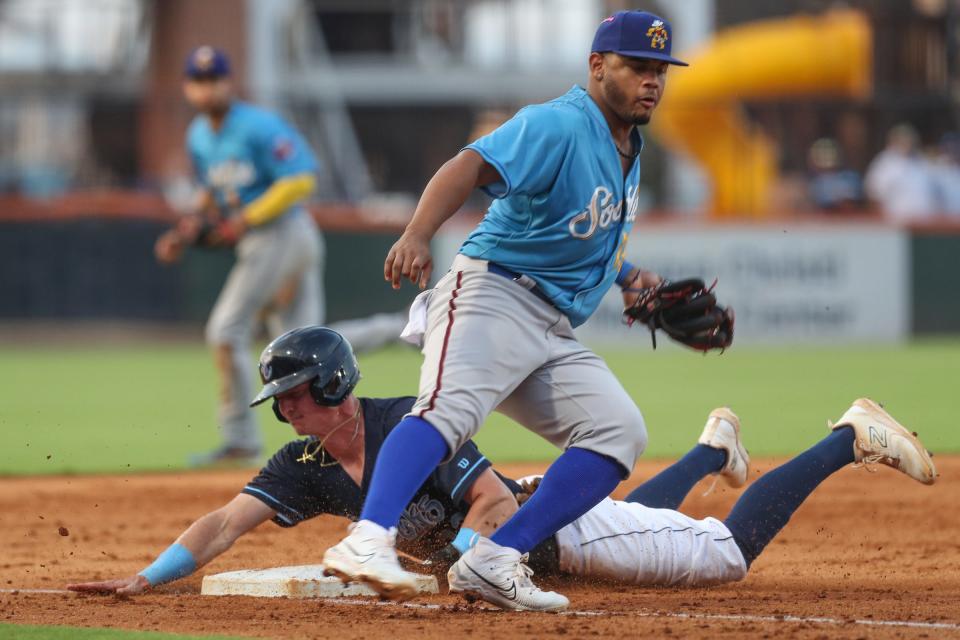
[
  {"x": 45, "y": 632},
  {"x": 74, "y": 409}
]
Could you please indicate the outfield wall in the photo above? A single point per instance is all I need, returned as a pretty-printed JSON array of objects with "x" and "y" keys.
[
  {"x": 92, "y": 269},
  {"x": 799, "y": 282},
  {"x": 789, "y": 281}
]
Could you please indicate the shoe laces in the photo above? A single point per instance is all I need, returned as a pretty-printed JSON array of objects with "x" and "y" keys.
[
  {"x": 389, "y": 537},
  {"x": 869, "y": 461},
  {"x": 524, "y": 573}
]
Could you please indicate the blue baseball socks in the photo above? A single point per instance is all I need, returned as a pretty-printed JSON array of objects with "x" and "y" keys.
[
  {"x": 573, "y": 484},
  {"x": 767, "y": 505},
  {"x": 407, "y": 458},
  {"x": 667, "y": 489}
]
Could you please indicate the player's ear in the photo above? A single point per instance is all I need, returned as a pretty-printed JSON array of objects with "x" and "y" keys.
[{"x": 596, "y": 64}]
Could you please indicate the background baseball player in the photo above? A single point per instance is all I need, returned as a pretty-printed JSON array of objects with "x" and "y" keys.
[
  {"x": 565, "y": 176},
  {"x": 255, "y": 170},
  {"x": 310, "y": 374}
]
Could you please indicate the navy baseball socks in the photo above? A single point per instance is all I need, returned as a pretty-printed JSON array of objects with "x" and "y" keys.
[
  {"x": 574, "y": 483},
  {"x": 719, "y": 451},
  {"x": 765, "y": 508},
  {"x": 667, "y": 489},
  {"x": 865, "y": 435}
]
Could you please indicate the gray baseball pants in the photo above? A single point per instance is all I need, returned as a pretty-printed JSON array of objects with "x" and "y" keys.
[
  {"x": 491, "y": 344},
  {"x": 282, "y": 259}
]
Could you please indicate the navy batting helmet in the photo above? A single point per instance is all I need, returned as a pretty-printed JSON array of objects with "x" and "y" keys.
[{"x": 315, "y": 354}]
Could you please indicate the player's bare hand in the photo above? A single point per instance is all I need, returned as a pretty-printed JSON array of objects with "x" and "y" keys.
[
  {"x": 123, "y": 586},
  {"x": 640, "y": 280},
  {"x": 189, "y": 227},
  {"x": 409, "y": 258},
  {"x": 169, "y": 247}
]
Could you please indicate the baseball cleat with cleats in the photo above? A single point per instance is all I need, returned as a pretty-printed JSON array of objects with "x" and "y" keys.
[
  {"x": 879, "y": 439},
  {"x": 368, "y": 555},
  {"x": 722, "y": 431},
  {"x": 500, "y": 576}
]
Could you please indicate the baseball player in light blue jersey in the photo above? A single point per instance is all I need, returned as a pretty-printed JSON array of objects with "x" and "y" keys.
[
  {"x": 498, "y": 328},
  {"x": 255, "y": 170}
]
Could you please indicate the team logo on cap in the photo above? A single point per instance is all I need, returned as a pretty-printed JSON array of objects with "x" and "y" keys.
[
  {"x": 203, "y": 58},
  {"x": 658, "y": 35}
]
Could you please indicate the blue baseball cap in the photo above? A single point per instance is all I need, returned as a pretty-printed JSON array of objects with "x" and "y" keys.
[
  {"x": 207, "y": 62},
  {"x": 636, "y": 34}
]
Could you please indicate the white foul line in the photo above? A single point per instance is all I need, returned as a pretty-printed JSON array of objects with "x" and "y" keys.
[
  {"x": 789, "y": 618},
  {"x": 953, "y": 626},
  {"x": 690, "y": 616}
]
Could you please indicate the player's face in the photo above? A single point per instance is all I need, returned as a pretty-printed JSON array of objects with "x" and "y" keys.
[
  {"x": 207, "y": 95},
  {"x": 632, "y": 87},
  {"x": 304, "y": 414}
]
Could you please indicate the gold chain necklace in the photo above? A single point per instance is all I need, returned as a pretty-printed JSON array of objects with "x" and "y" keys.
[{"x": 311, "y": 456}]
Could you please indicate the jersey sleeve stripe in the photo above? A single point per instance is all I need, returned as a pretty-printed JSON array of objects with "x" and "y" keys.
[
  {"x": 270, "y": 499},
  {"x": 468, "y": 474}
]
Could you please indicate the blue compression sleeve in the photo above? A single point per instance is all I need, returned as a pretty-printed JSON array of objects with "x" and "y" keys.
[
  {"x": 574, "y": 484},
  {"x": 407, "y": 458},
  {"x": 173, "y": 564}
]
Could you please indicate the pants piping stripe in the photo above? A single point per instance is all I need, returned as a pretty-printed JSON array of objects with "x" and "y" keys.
[{"x": 446, "y": 342}]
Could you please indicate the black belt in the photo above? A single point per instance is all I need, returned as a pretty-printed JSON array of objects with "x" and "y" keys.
[{"x": 493, "y": 267}]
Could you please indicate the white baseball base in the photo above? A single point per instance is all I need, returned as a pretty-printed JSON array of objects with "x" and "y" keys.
[{"x": 302, "y": 581}]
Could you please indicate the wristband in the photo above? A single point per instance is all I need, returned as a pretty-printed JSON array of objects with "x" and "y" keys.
[
  {"x": 622, "y": 275},
  {"x": 173, "y": 564},
  {"x": 466, "y": 539}
]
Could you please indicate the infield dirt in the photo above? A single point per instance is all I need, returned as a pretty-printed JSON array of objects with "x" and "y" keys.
[{"x": 873, "y": 547}]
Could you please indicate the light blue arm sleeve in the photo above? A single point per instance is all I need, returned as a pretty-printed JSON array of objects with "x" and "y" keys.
[{"x": 527, "y": 151}]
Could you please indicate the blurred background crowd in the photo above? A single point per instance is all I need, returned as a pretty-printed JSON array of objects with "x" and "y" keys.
[{"x": 386, "y": 90}]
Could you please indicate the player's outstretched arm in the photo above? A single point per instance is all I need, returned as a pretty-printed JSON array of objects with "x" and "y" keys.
[
  {"x": 491, "y": 504},
  {"x": 203, "y": 541},
  {"x": 443, "y": 196}
]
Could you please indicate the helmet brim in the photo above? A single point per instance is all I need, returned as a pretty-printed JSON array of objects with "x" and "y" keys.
[{"x": 276, "y": 387}]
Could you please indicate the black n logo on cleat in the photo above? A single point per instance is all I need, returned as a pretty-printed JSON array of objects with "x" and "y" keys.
[{"x": 877, "y": 436}]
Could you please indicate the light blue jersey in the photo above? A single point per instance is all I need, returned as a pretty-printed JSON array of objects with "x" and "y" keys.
[
  {"x": 563, "y": 209},
  {"x": 252, "y": 149}
]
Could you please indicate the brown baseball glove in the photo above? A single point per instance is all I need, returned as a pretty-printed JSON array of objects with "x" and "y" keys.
[{"x": 687, "y": 311}]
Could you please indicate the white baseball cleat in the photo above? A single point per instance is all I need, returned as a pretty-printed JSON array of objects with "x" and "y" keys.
[
  {"x": 722, "y": 431},
  {"x": 881, "y": 439},
  {"x": 499, "y": 576},
  {"x": 369, "y": 555}
]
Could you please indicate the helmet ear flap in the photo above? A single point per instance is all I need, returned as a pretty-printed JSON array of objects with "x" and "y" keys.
[
  {"x": 321, "y": 391},
  {"x": 277, "y": 412},
  {"x": 317, "y": 392}
]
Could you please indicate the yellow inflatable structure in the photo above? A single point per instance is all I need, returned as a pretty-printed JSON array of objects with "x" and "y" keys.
[{"x": 801, "y": 56}]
